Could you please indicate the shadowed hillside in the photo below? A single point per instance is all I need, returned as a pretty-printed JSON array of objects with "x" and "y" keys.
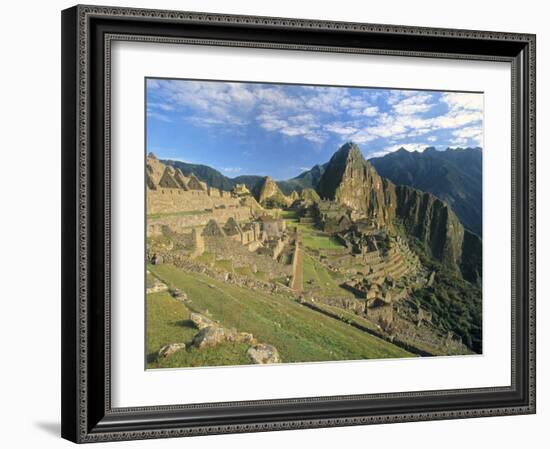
[{"x": 455, "y": 176}]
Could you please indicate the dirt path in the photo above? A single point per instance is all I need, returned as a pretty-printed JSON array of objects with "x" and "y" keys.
[{"x": 297, "y": 266}]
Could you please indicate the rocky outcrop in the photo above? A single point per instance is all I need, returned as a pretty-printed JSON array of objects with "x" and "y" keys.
[
  {"x": 268, "y": 190},
  {"x": 471, "y": 264},
  {"x": 250, "y": 201},
  {"x": 453, "y": 175},
  {"x": 432, "y": 222},
  {"x": 263, "y": 354},
  {"x": 200, "y": 321},
  {"x": 170, "y": 349},
  {"x": 435, "y": 224},
  {"x": 352, "y": 181},
  {"x": 179, "y": 295},
  {"x": 214, "y": 335},
  {"x": 310, "y": 195},
  {"x": 154, "y": 285}
]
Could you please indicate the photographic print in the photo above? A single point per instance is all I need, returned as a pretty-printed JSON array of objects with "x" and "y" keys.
[{"x": 300, "y": 223}]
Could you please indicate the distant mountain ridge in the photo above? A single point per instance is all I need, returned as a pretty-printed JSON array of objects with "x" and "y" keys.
[
  {"x": 349, "y": 179},
  {"x": 352, "y": 181},
  {"x": 454, "y": 175},
  {"x": 205, "y": 173},
  {"x": 306, "y": 180}
]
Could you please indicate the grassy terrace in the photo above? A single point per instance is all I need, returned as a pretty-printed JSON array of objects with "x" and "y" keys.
[
  {"x": 319, "y": 279},
  {"x": 227, "y": 265},
  {"x": 300, "y": 334},
  {"x": 168, "y": 322},
  {"x": 311, "y": 237}
]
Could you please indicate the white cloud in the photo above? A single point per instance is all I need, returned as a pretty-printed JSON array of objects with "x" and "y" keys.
[
  {"x": 162, "y": 106},
  {"x": 341, "y": 129},
  {"x": 406, "y": 118},
  {"x": 460, "y": 100},
  {"x": 158, "y": 116},
  {"x": 380, "y": 153},
  {"x": 231, "y": 170},
  {"x": 369, "y": 111},
  {"x": 303, "y": 125},
  {"x": 410, "y": 147},
  {"x": 204, "y": 121},
  {"x": 414, "y": 104},
  {"x": 464, "y": 136},
  {"x": 318, "y": 114},
  {"x": 468, "y": 133}
]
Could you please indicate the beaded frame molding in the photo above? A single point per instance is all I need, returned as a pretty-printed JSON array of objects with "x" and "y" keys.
[{"x": 87, "y": 34}]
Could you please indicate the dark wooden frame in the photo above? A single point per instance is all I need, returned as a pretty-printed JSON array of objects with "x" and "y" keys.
[{"x": 87, "y": 32}]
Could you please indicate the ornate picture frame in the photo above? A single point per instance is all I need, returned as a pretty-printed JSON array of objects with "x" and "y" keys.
[{"x": 87, "y": 35}]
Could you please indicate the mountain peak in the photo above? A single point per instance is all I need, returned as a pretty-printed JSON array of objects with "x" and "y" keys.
[
  {"x": 454, "y": 175},
  {"x": 349, "y": 151},
  {"x": 353, "y": 182},
  {"x": 267, "y": 189}
]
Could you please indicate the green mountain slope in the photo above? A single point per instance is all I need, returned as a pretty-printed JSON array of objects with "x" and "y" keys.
[
  {"x": 207, "y": 174},
  {"x": 455, "y": 176}
]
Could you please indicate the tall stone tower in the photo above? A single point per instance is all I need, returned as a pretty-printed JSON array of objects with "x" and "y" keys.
[{"x": 198, "y": 243}]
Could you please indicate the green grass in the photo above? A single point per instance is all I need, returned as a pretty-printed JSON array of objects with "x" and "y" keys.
[
  {"x": 149, "y": 281},
  {"x": 320, "y": 280},
  {"x": 168, "y": 322},
  {"x": 316, "y": 240},
  {"x": 289, "y": 215},
  {"x": 244, "y": 271},
  {"x": 299, "y": 334},
  {"x": 206, "y": 258},
  {"x": 262, "y": 275},
  {"x": 225, "y": 265},
  {"x": 312, "y": 237}
]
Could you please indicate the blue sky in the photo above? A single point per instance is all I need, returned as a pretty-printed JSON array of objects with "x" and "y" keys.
[{"x": 281, "y": 130}]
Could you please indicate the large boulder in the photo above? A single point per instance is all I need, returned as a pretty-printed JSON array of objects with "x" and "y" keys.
[
  {"x": 201, "y": 321},
  {"x": 169, "y": 349},
  {"x": 154, "y": 285},
  {"x": 214, "y": 335},
  {"x": 264, "y": 354},
  {"x": 179, "y": 295},
  {"x": 210, "y": 336}
]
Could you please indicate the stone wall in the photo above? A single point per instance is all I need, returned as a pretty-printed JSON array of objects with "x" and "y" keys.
[
  {"x": 229, "y": 249},
  {"x": 183, "y": 223},
  {"x": 164, "y": 201}
]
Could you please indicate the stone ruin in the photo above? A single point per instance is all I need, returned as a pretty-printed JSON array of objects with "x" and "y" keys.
[
  {"x": 388, "y": 266},
  {"x": 184, "y": 202},
  {"x": 170, "y": 191},
  {"x": 190, "y": 217}
]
